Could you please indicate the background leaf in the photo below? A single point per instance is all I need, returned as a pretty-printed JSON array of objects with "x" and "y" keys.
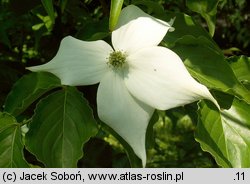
[
  {"x": 207, "y": 64},
  {"x": 27, "y": 36},
  {"x": 225, "y": 134},
  {"x": 115, "y": 10},
  {"x": 11, "y": 145},
  {"x": 202, "y": 56},
  {"x": 48, "y": 5},
  {"x": 152, "y": 6},
  {"x": 184, "y": 25},
  {"x": 207, "y": 9},
  {"x": 62, "y": 123},
  {"x": 28, "y": 89},
  {"x": 63, "y": 4},
  {"x": 241, "y": 68},
  {"x": 94, "y": 30}
]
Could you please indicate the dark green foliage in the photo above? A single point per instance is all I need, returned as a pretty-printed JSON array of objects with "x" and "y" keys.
[
  {"x": 28, "y": 89},
  {"x": 11, "y": 143},
  {"x": 205, "y": 34},
  {"x": 62, "y": 123}
]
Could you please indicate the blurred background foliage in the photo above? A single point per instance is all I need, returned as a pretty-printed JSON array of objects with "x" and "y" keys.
[{"x": 30, "y": 35}]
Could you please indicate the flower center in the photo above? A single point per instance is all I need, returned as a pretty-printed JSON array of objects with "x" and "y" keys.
[{"x": 117, "y": 59}]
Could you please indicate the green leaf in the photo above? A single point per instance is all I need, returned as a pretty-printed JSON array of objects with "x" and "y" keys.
[
  {"x": 207, "y": 64},
  {"x": 224, "y": 100},
  {"x": 150, "y": 137},
  {"x": 207, "y": 9},
  {"x": 184, "y": 25},
  {"x": 28, "y": 89},
  {"x": 48, "y": 5},
  {"x": 11, "y": 145},
  {"x": 225, "y": 134},
  {"x": 241, "y": 67},
  {"x": 154, "y": 7},
  {"x": 62, "y": 123},
  {"x": 203, "y": 58},
  {"x": 115, "y": 10},
  {"x": 94, "y": 30}
]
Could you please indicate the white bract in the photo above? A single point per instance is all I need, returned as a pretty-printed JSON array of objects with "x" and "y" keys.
[{"x": 136, "y": 76}]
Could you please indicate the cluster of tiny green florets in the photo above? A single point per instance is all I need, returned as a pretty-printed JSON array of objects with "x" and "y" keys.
[{"x": 117, "y": 59}]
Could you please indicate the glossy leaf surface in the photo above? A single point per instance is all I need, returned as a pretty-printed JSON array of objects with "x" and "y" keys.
[
  {"x": 226, "y": 134},
  {"x": 11, "y": 145},
  {"x": 62, "y": 123}
]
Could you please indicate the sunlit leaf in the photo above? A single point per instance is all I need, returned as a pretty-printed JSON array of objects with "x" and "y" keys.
[
  {"x": 115, "y": 10},
  {"x": 48, "y": 5},
  {"x": 225, "y": 134},
  {"x": 207, "y": 64},
  {"x": 11, "y": 145},
  {"x": 207, "y": 9},
  {"x": 202, "y": 56},
  {"x": 28, "y": 89},
  {"x": 184, "y": 25},
  {"x": 62, "y": 123},
  {"x": 241, "y": 67}
]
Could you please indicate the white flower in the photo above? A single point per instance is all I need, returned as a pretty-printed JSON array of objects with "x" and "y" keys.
[{"x": 135, "y": 77}]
